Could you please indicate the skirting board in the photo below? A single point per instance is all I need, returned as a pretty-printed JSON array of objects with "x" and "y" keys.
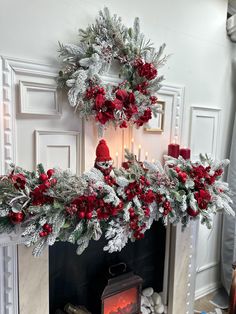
[{"x": 200, "y": 293}]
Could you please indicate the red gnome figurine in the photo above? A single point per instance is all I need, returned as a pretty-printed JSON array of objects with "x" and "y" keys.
[{"x": 103, "y": 160}]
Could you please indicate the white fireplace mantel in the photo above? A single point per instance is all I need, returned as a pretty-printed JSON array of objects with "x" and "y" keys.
[{"x": 180, "y": 264}]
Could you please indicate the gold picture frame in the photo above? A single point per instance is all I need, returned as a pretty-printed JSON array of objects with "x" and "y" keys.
[{"x": 156, "y": 124}]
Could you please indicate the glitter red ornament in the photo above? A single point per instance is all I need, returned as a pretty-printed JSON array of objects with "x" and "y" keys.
[
  {"x": 43, "y": 177},
  {"x": 192, "y": 212},
  {"x": 50, "y": 172},
  {"x": 17, "y": 217}
]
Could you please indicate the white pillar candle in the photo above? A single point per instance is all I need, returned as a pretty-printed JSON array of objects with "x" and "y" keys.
[
  {"x": 132, "y": 146},
  {"x": 117, "y": 159},
  {"x": 139, "y": 152},
  {"x": 146, "y": 156}
]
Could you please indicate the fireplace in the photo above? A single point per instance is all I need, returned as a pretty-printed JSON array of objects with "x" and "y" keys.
[
  {"x": 25, "y": 287},
  {"x": 81, "y": 280}
]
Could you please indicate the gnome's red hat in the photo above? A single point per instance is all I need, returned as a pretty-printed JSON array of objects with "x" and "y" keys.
[{"x": 102, "y": 152}]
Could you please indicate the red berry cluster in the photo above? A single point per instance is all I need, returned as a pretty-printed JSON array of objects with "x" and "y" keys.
[
  {"x": 46, "y": 178},
  {"x": 109, "y": 180},
  {"x": 144, "y": 118},
  {"x": 153, "y": 100},
  {"x": 85, "y": 206},
  {"x": 105, "y": 210},
  {"x": 182, "y": 176},
  {"x": 167, "y": 208},
  {"x": 142, "y": 88},
  {"x": 71, "y": 209},
  {"x": 204, "y": 176},
  {"x": 163, "y": 202},
  {"x": 47, "y": 229},
  {"x": 136, "y": 226},
  {"x": 38, "y": 196},
  {"x": 203, "y": 198}
]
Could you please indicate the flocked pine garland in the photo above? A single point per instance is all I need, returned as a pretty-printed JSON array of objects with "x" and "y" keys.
[
  {"x": 101, "y": 44},
  {"x": 119, "y": 203}
]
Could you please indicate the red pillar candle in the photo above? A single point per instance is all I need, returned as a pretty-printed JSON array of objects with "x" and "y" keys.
[
  {"x": 185, "y": 153},
  {"x": 173, "y": 150}
]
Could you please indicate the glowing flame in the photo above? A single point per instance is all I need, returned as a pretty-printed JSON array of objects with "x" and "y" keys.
[{"x": 123, "y": 302}]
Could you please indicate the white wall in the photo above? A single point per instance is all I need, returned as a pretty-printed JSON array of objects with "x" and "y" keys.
[{"x": 194, "y": 32}]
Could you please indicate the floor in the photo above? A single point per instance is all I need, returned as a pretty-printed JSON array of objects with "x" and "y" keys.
[{"x": 203, "y": 304}]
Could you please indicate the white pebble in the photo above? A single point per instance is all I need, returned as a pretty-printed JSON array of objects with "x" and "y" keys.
[
  {"x": 159, "y": 309},
  {"x": 148, "y": 292},
  {"x": 156, "y": 298},
  {"x": 145, "y": 310},
  {"x": 145, "y": 301},
  {"x": 151, "y": 301}
]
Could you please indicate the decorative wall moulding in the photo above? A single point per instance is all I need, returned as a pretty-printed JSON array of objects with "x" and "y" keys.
[
  {"x": 59, "y": 148},
  {"x": 177, "y": 93},
  {"x": 37, "y": 98},
  {"x": 8, "y": 281},
  {"x": 156, "y": 124},
  {"x": 205, "y": 127},
  {"x": 42, "y": 77}
]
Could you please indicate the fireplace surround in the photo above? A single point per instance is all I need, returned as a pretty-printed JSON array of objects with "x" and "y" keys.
[
  {"x": 80, "y": 279},
  {"x": 24, "y": 287}
]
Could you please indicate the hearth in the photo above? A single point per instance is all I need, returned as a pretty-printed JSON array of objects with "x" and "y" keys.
[{"x": 85, "y": 280}]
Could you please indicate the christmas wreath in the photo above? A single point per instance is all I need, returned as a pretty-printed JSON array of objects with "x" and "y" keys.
[
  {"x": 120, "y": 203},
  {"x": 108, "y": 41}
]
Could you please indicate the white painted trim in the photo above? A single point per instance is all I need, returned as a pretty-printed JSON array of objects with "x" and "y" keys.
[
  {"x": 200, "y": 293},
  {"x": 2, "y": 170},
  {"x": 182, "y": 268},
  {"x": 8, "y": 254},
  {"x": 178, "y": 94},
  {"x": 78, "y": 135},
  {"x": 24, "y": 108},
  {"x": 206, "y": 112},
  {"x": 8, "y": 280},
  {"x": 207, "y": 266}
]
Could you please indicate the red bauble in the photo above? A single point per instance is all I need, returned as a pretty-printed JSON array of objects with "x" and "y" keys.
[
  {"x": 47, "y": 184},
  {"x": 192, "y": 212},
  {"x": 16, "y": 218},
  {"x": 132, "y": 214},
  {"x": 81, "y": 215},
  {"x": 50, "y": 172},
  {"x": 47, "y": 228},
  {"x": 43, "y": 234},
  {"x": 53, "y": 181},
  {"x": 89, "y": 215},
  {"x": 43, "y": 177}
]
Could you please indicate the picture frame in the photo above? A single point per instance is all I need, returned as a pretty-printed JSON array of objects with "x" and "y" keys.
[{"x": 156, "y": 124}]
